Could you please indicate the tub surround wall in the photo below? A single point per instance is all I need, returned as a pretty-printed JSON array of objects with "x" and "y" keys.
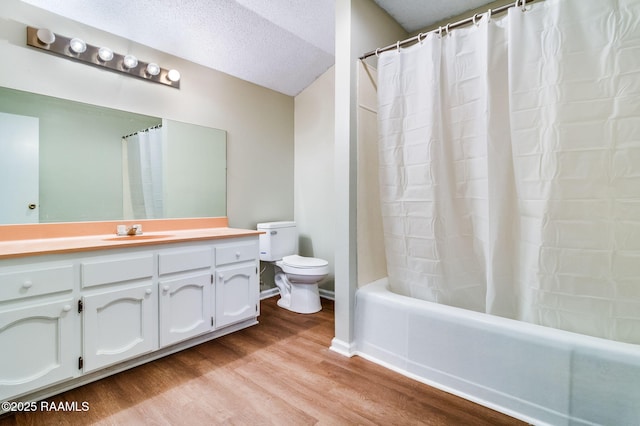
[{"x": 372, "y": 262}]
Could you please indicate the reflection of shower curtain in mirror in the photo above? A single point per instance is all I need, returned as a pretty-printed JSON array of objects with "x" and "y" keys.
[{"x": 142, "y": 174}]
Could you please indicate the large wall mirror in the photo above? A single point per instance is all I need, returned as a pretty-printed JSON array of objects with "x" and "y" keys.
[{"x": 65, "y": 161}]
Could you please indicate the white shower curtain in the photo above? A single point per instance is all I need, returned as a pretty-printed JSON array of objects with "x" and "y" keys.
[
  {"x": 142, "y": 170},
  {"x": 510, "y": 166}
]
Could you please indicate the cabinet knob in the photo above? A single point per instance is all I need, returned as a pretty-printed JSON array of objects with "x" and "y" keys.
[
  {"x": 66, "y": 308},
  {"x": 27, "y": 284},
  {"x": 237, "y": 255},
  {"x": 148, "y": 291},
  {"x": 165, "y": 288},
  {"x": 221, "y": 276}
]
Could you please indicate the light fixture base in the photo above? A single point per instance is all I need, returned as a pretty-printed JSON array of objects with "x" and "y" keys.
[{"x": 60, "y": 47}]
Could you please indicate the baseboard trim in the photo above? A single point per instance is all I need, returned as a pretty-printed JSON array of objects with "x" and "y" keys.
[
  {"x": 343, "y": 348},
  {"x": 327, "y": 294},
  {"x": 270, "y": 292}
]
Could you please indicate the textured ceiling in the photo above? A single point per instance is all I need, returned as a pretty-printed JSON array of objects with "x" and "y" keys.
[
  {"x": 415, "y": 15},
  {"x": 280, "y": 44}
]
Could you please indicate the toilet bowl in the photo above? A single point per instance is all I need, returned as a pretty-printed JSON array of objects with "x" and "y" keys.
[{"x": 296, "y": 277}]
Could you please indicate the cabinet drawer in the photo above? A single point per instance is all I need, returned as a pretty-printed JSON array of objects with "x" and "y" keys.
[
  {"x": 112, "y": 270},
  {"x": 184, "y": 260},
  {"x": 236, "y": 253},
  {"x": 35, "y": 282}
]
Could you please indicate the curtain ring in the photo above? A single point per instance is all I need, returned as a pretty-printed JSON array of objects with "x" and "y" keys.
[
  {"x": 398, "y": 46},
  {"x": 447, "y": 29},
  {"x": 378, "y": 52},
  {"x": 524, "y": 4},
  {"x": 420, "y": 35},
  {"x": 489, "y": 12},
  {"x": 474, "y": 19}
]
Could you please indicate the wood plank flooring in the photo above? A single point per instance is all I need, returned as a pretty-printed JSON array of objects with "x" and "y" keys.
[{"x": 279, "y": 372}]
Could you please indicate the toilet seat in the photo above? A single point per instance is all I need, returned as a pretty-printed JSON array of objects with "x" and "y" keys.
[
  {"x": 303, "y": 262},
  {"x": 301, "y": 265}
]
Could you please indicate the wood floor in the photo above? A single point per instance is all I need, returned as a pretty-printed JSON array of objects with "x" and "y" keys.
[{"x": 279, "y": 372}]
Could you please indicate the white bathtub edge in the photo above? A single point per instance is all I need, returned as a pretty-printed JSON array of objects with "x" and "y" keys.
[
  {"x": 452, "y": 391},
  {"x": 566, "y": 378}
]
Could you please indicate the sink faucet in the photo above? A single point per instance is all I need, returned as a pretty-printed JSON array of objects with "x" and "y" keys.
[{"x": 123, "y": 230}]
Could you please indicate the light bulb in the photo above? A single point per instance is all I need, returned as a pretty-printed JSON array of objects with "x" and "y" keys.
[
  {"x": 173, "y": 75},
  {"x": 105, "y": 54},
  {"x": 45, "y": 36},
  {"x": 77, "y": 45},
  {"x": 130, "y": 61},
  {"x": 153, "y": 69}
]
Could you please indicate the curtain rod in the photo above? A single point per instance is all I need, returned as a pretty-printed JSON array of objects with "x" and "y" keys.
[
  {"x": 157, "y": 126},
  {"x": 469, "y": 20}
]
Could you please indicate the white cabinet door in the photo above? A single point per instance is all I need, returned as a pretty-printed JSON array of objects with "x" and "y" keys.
[
  {"x": 37, "y": 347},
  {"x": 236, "y": 294},
  {"x": 119, "y": 324},
  {"x": 185, "y": 307}
]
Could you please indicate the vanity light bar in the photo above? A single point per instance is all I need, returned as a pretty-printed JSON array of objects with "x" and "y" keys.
[{"x": 78, "y": 50}]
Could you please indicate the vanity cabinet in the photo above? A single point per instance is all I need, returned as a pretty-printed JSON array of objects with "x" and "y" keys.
[
  {"x": 68, "y": 319},
  {"x": 37, "y": 327},
  {"x": 119, "y": 309},
  {"x": 237, "y": 285},
  {"x": 184, "y": 294}
]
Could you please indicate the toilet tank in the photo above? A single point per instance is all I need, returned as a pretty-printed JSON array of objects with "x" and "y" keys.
[{"x": 279, "y": 239}]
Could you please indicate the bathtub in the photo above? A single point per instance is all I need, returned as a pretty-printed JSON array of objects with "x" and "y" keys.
[{"x": 537, "y": 374}]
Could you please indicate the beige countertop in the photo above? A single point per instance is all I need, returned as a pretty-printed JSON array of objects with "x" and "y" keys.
[
  {"x": 22, "y": 248},
  {"x": 38, "y": 245}
]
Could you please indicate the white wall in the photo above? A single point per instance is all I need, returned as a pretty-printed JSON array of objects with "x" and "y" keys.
[
  {"x": 314, "y": 179},
  {"x": 313, "y": 175},
  {"x": 259, "y": 121}
]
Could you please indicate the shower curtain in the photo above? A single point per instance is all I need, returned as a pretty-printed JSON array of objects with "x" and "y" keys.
[
  {"x": 510, "y": 166},
  {"x": 142, "y": 169}
]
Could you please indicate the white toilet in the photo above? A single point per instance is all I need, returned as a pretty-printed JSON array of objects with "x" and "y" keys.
[{"x": 296, "y": 276}]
